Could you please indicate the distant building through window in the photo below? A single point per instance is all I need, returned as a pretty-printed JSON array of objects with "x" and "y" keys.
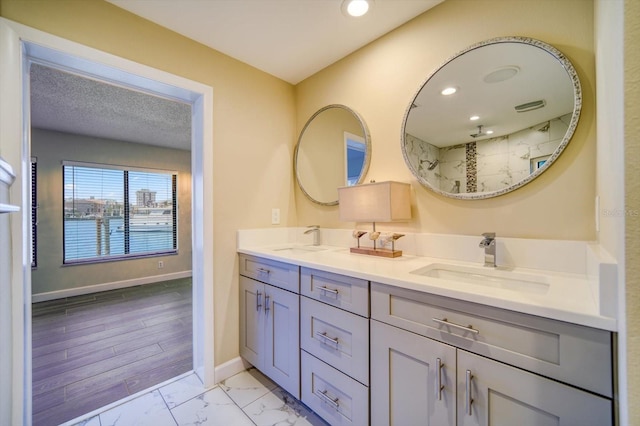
[
  {"x": 145, "y": 198},
  {"x": 103, "y": 222}
]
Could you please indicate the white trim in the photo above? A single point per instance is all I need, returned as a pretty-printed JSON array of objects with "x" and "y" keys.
[
  {"x": 231, "y": 368},
  {"x": 79, "y": 291}
]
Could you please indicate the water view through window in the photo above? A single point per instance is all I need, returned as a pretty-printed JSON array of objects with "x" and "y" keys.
[{"x": 112, "y": 213}]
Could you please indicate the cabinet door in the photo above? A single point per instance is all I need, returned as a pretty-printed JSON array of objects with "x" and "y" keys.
[
  {"x": 282, "y": 334},
  {"x": 495, "y": 394},
  {"x": 252, "y": 321},
  {"x": 405, "y": 381}
]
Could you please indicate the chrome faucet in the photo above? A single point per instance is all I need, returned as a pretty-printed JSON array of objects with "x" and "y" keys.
[
  {"x": 316, "y": 233},
  {"x": 489, "y": 245}
]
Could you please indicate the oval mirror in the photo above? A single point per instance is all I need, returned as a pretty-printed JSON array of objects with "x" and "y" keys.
[
  {"x": 333, "y": 150},
  {"x": 491, "y": 118}
]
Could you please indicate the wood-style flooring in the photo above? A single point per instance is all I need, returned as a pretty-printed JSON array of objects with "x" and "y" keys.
[{"x": 92, "y": 350}]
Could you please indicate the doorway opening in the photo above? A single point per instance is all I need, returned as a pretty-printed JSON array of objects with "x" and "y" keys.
[
  {"x": 115, "y": 164},
  {"x": 21, "y": 47}
]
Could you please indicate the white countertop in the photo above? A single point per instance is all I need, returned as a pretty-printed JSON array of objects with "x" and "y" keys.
[{"x": 568, "y": 297}]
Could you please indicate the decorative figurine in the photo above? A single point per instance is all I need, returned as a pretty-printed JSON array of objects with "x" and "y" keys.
[{"x": 357, "y": 234}]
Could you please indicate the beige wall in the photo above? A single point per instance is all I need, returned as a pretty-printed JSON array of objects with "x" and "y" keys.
[
  {"x": 50, "y": 149},
  {"x": 253, "y": 134},
  {"x": 632, "y": 201},
  {"x": 380, "y": 80}
]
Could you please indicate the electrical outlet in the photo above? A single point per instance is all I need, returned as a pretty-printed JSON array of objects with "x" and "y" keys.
[
  {"x": 160, "y": 264},
  {"x": 275, "y": 216}
]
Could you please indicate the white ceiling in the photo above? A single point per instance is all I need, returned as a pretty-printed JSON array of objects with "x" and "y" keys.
[{"x": 290, "y": 39}]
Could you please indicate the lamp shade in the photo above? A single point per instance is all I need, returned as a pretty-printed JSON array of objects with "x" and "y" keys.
[{"x": 375, "y": 202}]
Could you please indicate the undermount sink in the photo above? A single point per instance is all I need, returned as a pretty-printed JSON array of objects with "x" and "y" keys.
[
  {"x": 300, "y": 249},
  {"x": 490, "y": 277}
]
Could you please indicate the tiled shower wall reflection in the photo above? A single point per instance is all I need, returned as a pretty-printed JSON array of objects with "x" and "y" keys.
[{"x": 499, "y": 162}]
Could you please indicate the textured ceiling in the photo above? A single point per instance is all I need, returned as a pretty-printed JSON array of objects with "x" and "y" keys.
[{"x": 71, "y": 103}]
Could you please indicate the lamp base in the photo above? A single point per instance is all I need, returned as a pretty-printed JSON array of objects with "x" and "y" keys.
[{"x": 380, "y": 252}]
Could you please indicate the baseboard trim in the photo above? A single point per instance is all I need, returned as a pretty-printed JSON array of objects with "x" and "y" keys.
[
  {"x": 79, "y": 291},
  {"x": 230, "y": 368}
]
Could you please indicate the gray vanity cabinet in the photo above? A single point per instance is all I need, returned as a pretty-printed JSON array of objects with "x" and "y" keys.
[
  {"x": 413, "y": 379},
  {"x": 500, "y": 367},
  {"x": 269, "y": 321},
  {"x": 359, "y": 352}
]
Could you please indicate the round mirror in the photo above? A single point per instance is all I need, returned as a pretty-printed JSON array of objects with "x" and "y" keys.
[
  {"x": 333, "y": 150},
  {"x": 492, "y": 118}
]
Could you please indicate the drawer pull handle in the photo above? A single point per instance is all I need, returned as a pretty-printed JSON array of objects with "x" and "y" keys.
[
  {"x": 266, "y": 303},
  {"x": 323, "y": 395},
  {"x": 263, "y": 271},
  {"x": 469, "y": 399},
  {"x": 327, "y": 338},
  {"x": 258, "y": 300},
  {"x": 329, "y": 290},
  {"x": 439, "y": 366},
  {"x": 444, "y": 321}
]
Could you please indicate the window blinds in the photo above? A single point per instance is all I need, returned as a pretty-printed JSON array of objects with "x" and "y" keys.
[{"x": 113, "y": 212}]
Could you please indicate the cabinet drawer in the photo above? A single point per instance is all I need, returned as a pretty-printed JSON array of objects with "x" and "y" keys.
[
  {"x": 271, "y": 272},
  {"x": 337, "y": 337},
  {"x": 334, "y": 396},
  {"x": 348, "y": 293},
  {"x": 577, "y": 355}
]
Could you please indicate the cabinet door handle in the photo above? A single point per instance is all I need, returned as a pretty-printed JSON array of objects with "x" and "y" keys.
[
  {"x": 446, "y": 322},
  {"x": 326, "y": 398},
  {"x": 329, "y": 290},
  {"x": 439, "y": 366},
  {"x": 326, "y": 338},
  {"x": 469, "y": 399},
  {"x": 266, "y": 303},
  {"x": 258, "y": 300}
]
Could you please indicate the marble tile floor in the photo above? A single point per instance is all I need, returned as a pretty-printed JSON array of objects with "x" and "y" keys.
[{"x": 246, "y": 399}]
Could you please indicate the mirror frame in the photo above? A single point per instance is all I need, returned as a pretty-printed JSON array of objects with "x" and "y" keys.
[
  {"x": 577, "y": 102},
  {"x": 367, "y": 154}
]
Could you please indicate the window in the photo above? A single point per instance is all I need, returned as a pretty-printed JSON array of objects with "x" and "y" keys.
[{"x": 113, "y": 212}]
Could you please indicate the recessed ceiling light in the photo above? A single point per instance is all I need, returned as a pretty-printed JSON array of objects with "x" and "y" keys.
[
  {"x": 356, "y": 8},
  {"x": 449, "y": 91},
  {"x": 474, "y": 117},
  {"x": 489, "y": 132}
]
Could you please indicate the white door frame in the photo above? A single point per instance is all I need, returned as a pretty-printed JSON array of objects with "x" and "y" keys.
[{"x": 19, "y": 45}]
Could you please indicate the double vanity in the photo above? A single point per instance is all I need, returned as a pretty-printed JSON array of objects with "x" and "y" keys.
[
  {"x": 440, "y": 336},
  {"x": 363, "y": 340}
]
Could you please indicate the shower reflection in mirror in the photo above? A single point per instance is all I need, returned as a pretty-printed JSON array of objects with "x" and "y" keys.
[{"x": 496, "y": 162}]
